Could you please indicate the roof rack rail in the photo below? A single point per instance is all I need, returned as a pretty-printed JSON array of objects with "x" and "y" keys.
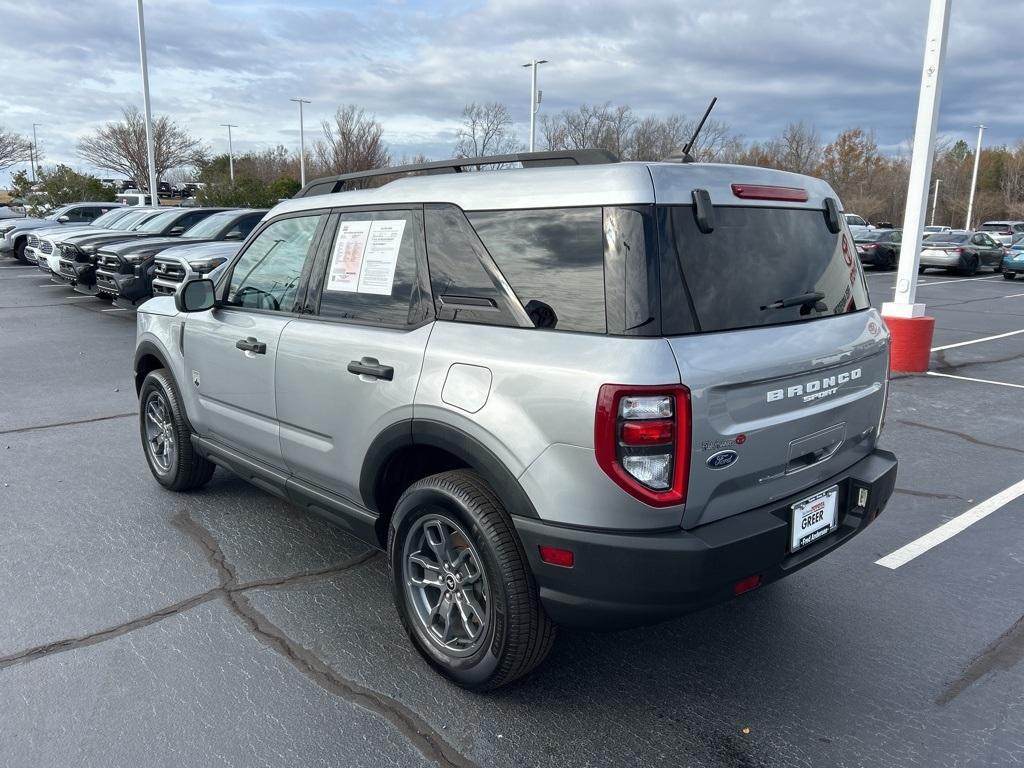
[{"x": 329, "y": 184}]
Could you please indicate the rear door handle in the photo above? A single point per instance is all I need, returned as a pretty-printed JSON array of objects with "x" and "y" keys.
[
  {"x": 251, "y": 344},
  {"x": 370, "y": 366}
]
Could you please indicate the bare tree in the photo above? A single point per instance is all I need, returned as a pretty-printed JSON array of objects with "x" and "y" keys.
[
  {"x": 353, "y": 142},
  {"x": 656, "y": 139},
  {"x": 121, "y": 147},
  {"x": 486, "y": 130},
  {"x": 13, "y": 149},
  {"x": 801, "y": 148}
]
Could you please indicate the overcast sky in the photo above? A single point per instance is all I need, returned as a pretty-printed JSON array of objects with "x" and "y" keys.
[{"x": 70, "y": 66}]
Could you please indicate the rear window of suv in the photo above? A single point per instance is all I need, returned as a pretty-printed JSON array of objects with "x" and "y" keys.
[{"x": 754, "y": 260}]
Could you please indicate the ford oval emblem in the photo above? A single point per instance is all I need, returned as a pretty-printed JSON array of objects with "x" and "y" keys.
[{"x": 722, "y": 459}]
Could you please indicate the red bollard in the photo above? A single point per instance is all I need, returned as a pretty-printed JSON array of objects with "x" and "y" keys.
[{"x": 911, "y": 344}]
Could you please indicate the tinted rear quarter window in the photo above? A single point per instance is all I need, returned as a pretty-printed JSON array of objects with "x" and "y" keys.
[
  {"x": 755, "y": 257},
  {"x": 554, "y": 261}
]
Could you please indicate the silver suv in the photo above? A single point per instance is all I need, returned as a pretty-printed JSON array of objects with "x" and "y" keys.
[{"x": 578, "y": 392}]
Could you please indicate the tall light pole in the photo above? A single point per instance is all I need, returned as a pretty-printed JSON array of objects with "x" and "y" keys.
[
  {"x": 534, "y": 97},
  {"x": 911, "y": 331},
  {"x": 154, "y": 195},
  {"x": 935, "y": 200},
  {"x": 974, "y": 177},
  {"x": 302, "y": 143},
  {"x": 34, "y": 153},
  {"x": 231, "y": 151}
]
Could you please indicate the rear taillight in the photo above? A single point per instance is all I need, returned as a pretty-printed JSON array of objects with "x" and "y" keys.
[
  {"x": 763, "y": 192},
  {"x": 642, "y": 440}
]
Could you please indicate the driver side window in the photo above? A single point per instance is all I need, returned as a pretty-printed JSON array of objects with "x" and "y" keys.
[{"x": 267, "y": 275}]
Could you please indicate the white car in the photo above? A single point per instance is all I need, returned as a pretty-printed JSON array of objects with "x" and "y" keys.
[
  {"x": 182, "y": 263},
  {"x": 933, "y": 229},
  {"x": 48, "y": 250}
]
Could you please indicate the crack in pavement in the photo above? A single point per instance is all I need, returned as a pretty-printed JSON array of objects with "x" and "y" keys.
[
  {"x": 422, "y": 736},
  {"x": 67, "y": 423},
  {"x": 961, "y": 435},
  {"x": 927, "y": 494},
  {"x": 1003, "y": 654}
]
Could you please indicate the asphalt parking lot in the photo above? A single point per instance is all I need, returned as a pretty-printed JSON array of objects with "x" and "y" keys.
[{"x": 224, "y": 628}]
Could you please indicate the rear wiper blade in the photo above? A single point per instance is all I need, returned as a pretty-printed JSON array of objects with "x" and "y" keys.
[{"x": 804, "y": 300}]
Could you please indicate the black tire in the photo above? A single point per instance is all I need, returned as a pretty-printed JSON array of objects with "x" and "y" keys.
[
  {"x": 890, "y": 261},
  {"x": 920, "y": 270},
  {"x": 19, "y": 249},
  {"x": 516, "y": 635},
  {"x": 180, "y": 468},
  {"x": 1007, "y": 275},
  {"x": 969, "y": 266}
]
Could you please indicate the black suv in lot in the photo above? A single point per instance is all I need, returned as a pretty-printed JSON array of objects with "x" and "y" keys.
[{"x": 125, "y": 270}]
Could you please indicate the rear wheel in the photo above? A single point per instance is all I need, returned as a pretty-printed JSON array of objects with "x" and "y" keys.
[
  {"x": 167, "y": 437},
  {"x": 460, "y": 580},
  {"x": 19, "y": 250},
  {"x": 969, "y": 266}
]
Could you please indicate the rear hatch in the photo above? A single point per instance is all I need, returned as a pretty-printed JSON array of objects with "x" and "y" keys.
[{"x": 769, "y": 320}]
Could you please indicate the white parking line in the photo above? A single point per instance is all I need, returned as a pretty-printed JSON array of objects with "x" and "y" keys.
[
  {"x": 949, "y": 529},
  {"x": 979, "y": 381},
  {"x": 1014, "y": 296},
  {"x": 959, "y": 280},
  {"x": 22, "y": 277},
  {"x": 19, "y": 266},
  {"x": 115, "y": 309},
  {"x": 78, "y": 298},
  {"x": 973, "y": 341}
]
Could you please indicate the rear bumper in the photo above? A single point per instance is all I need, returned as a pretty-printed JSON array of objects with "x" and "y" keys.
[{"x": 625, "y": 579}]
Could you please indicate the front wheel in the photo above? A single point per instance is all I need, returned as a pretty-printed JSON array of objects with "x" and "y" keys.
[
  {"x": 1007, "y": 275},
  {"x": 462, "y": 585},
  {"x": 969, "y": 267},
  {"x": 167, "y": 437},
  {"x": 19, "y": 250}
]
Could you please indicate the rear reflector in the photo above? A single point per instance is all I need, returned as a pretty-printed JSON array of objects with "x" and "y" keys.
[
  {"x": 747, "y": 584},
  {"x": 761, "y": 192},
  {"x": 647, "y": 432},
  {"x": 563, "y": 558}
]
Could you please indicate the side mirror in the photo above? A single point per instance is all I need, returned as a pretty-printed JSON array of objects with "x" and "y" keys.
[
  {"x": 175, "y": 231},
  {"x": 234, "y": 234},
  {"x": 64, "y": 219},
  {"x": 195, "y": 296}
]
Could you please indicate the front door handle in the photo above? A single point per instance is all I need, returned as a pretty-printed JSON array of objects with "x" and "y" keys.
[
  {"x": 250, "y": 344},
  {"x": 370, "y": 366}
]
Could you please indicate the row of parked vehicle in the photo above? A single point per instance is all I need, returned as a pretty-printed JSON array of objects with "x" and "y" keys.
[
  {"x": 128, "y": 253},
  {"x": 998, "y": 245}
]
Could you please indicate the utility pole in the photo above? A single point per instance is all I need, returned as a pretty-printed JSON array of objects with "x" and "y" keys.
[
  {"x": 935, "y": 200},
  {"x": 534, "y": 97},
  {"x": 302, "y": 142},
  {"x": 231, "y": 151},
  {"x": 33, "y": 152},
  {"x": 154, "y": 194},
  {"x": 974, "y": 177}
]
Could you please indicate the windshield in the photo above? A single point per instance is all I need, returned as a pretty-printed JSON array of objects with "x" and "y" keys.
[
  {"x": 995, "y": 227},
  {"x": 867, "y": 237},
  {"x": 211, "y": 225},
  {"x": 933, "y": 229},
  {"x": 758, "y": 266},
  {"x": 159, "y": 222},
  {"x": 130, "y": 219},
  {"x": 946, "y": 237},
  {"x": 108, "y": 218}
]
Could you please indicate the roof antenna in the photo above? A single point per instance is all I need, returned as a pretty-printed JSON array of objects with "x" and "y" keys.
[{"x": 686, "y": 157}]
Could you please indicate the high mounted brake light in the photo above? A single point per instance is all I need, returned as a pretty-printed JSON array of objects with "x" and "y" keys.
[
  {"x": 762, "y": 192},
  {"x": 642, "y": 440}
]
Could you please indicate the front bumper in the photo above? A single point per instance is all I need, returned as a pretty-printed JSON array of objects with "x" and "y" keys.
[
  {"x": 131, "y": 288},
  {"x": 631, "y": 579}
]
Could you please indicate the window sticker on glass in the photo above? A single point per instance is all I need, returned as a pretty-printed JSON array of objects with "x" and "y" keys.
[{"x": 365, "y": 256}]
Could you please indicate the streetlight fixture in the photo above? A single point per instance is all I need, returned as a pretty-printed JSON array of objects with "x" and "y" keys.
[
  {"x": 534, "y": 97},
  {"x": 231, "y": 151},
  {"x": 935, "y": 200},
  {"x": 302, "y": 143},
  {"x": 974, "y": 177},
  {"x": 154, "y": 194},
  {"x": 33, "y": 151}
]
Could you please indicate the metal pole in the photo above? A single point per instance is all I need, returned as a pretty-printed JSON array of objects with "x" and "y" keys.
[
  {"x": 154, "y": 194},
  {"x": 533, "y": 97},
  {"x": 903, "y": 303},
  {"x": 935, "y": 200},
  {"x": 231, "y": 151},
  {"x": 34, "y": 151},
  {"x": 974, "y": 178},
  {"x": 302, "y": 143}
]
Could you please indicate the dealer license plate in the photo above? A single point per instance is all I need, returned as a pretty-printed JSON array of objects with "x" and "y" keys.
[{"x": 813, "y": 518}]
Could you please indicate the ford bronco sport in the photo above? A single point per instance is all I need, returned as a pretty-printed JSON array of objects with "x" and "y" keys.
[{"x": 578, "y": 392}]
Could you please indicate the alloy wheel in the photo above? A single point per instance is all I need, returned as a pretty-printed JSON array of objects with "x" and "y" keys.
[{"x": 160, "y": 443}]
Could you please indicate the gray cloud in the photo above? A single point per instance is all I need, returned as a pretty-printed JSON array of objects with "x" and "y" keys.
[{"x": 415, "y": 63}]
